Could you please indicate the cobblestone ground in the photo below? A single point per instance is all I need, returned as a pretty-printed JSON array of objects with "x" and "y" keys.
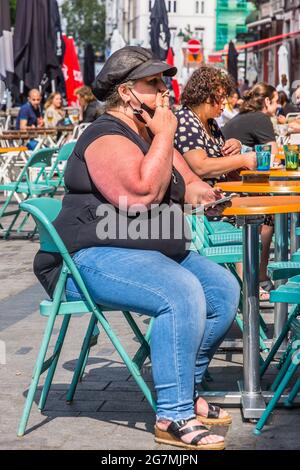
[{"x": 109, "y": 412}]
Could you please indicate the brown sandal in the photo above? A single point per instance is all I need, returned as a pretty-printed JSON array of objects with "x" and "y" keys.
[
  {"x": 213, "y": 417},
  {"x": 172, "y": 436}
]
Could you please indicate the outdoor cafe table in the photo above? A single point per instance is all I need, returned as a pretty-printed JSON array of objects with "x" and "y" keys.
[
  {"x": 256, "y": 176},
  {"x": 281, "y": 229},
  {"x": 250, "y": 212}
]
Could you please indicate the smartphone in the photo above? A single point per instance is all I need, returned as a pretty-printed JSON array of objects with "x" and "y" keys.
[
  {"x": 214, "y": 203},
  {"x": 220, "y": 201}
]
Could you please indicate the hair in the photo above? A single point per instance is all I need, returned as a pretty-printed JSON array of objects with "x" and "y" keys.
[
  {"x": 86, "y": 93},
  {"x": 254, "y": 99},
  {"x": 114, "y": 99},
  {"x": 205, "y": 84},
  {"x": 282, "y": 98},
  {"x": 50, "y": 99},
  {"x": 32, "y": 91}
]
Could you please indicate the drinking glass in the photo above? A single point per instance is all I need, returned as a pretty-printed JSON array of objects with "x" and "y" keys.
[
  {"x": 291, "y": 157},
  {"x": 263, "y": 157}
]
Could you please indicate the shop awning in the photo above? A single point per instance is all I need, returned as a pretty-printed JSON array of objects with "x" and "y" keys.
[{"x": 250, "y": 45}]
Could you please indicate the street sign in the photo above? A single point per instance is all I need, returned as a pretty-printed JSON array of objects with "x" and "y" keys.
[
  {"x": 194, "y": 46},
  {"x": 246, "y": 37}
]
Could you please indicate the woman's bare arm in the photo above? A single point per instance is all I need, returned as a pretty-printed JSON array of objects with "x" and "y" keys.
[{"x": 119, "y": 168}]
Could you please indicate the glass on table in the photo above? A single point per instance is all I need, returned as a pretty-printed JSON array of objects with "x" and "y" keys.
[
  {"x": 263, "y": 157},
  {"x": 291, "y": 153}
]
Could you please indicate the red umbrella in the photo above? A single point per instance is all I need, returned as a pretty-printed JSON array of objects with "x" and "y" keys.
[
  {"x": 175, "y": 85},
  {"x": 71, "y": 70}
]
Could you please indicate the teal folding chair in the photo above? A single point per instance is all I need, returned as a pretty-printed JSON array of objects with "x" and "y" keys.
[
  {"x": 227, "y": 255},
  {"x": 56, "y": 175},
  {"x": 44, "y": 211},
  {"x": 290, "y": 361},
  {"x": 40, "y": 186}
]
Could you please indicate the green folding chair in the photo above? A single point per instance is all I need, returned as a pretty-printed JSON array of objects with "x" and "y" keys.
[
  {"x": 40, "y": 186},
  {"x": 44, "y": 211},
  {"x": 227, "y": 255},
  {"x": 56, "y": 175},
  {"x": 290, "y": 361}
]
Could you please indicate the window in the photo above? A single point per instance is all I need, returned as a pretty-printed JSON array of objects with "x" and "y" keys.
[
  {"x": 197, "y": 7},
  {"x": 172, "y": 6},
  {"x": 202, "y": 8}
]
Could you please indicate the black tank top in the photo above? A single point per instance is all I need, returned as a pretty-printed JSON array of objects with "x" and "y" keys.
[{"x": 78, "y": 220}]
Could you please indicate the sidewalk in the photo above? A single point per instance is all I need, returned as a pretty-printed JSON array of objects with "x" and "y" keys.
[{"x": 109, "y": 411}]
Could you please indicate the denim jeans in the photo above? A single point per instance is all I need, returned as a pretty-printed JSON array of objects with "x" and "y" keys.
[{"x": 194, "y": 303}]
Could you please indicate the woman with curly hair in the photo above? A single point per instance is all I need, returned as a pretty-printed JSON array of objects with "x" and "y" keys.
[{"x": 198, "y": 137}]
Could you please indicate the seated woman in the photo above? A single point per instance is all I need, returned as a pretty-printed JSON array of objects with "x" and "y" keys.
[
  {"x": 198, "y": 137},
  {"x": 125, "y": 164},
  {"x": 90, "y": 108},
  {"x": 54, "y": 111},
  {"x": 253, "y": 126}
]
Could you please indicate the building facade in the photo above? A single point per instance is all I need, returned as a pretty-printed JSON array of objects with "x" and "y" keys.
[
  {"x": 132, "y": 17},
  {"x": 230, "y": 20},
  {"x": 277, "y": 17}
]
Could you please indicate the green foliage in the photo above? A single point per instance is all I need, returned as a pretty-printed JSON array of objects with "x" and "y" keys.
[
  {"x": 85, "y": 22},
  {"x": 13, "y": 6}
]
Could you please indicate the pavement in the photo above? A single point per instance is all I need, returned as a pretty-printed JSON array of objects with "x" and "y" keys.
[{"x": 108, "y": 412}]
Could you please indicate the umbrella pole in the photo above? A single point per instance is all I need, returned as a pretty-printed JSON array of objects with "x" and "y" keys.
[{"x": 53, "y": 87}]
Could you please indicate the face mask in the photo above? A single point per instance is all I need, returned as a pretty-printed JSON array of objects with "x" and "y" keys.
[{"x": 138, "y": 112}]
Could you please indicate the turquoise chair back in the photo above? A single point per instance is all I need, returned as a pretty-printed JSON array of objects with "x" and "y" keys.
[
  {"x": 41, "y": 159},
  {"x": 63, "y": 155},
  {"x": 40, "y": 209},
  {"x": 50, "y": 208}
]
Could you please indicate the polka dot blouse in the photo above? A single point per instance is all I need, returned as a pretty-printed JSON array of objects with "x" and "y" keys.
[{"x": 191, "y": 134}]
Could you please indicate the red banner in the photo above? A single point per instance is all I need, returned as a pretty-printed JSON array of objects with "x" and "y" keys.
[{"x": 71, "y": 71}]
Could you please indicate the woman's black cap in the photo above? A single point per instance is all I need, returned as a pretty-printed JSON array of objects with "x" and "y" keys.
[{"x": 128, "y": 63}]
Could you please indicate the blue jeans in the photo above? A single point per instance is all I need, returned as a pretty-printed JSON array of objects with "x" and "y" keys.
[{"x": 194, "y": 303}]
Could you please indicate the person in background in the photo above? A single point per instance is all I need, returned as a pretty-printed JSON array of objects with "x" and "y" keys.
[
  {"x": 253, "y": 126},
  {"x": 30, "y": 114},
  {"x": 53, "y": 110},
  {"x": 198, "y": 137},
  {"x": 295, "y": 124},
  {"x": 283, "y": 85},
  {"x": 285, "y": 108},
  {"x": 90, "y": 107},
  {"x": 230, "y": 110}
]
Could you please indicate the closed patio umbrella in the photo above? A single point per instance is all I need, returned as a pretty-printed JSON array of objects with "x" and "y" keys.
[
  {"x": 232, "y": 65},
  {"x": 34, "y": 44},
  {"x": 89, "y": 65},
  {"x": 6, "y": 45}
]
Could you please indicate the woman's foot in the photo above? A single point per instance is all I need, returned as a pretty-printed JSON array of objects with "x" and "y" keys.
[
  {"x": 187, "y": 434},
  {"x": 211, "y": 414}
]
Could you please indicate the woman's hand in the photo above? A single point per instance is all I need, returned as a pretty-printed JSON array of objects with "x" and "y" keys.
[
  {"x": 163, "y": 121},
  {"x": 250, "y": 161},
  {"x": 281, "y": 119},
  {"x": 232, "y": 147}
]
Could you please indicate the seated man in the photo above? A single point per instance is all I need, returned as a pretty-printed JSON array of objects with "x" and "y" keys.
[{"x": 30, "y": 113}]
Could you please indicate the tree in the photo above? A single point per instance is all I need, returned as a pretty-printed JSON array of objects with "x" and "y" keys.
[
  {"x": 13, "y": 7},
  {"x": 86, "y": 22}
]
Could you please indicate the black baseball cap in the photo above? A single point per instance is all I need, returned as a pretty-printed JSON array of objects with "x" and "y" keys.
[{"x": 128, "y": 63}]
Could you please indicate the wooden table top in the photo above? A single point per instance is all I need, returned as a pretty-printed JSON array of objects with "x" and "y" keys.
[
  {"x": 13, "y": 149},
  {"x": 244, "y": 206},
  {"x": 270, "y": 187},
  {"x": 282, "y": 173}
]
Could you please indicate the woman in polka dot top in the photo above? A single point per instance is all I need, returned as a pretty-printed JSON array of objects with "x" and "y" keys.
[{"x": 198, "y": 137}]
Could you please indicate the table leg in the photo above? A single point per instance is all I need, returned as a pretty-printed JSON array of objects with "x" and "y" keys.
[
  {"x": 281, "y": 254},
  {"x": 295, "y": 241},
  {"x": 253, "y": 403}
]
